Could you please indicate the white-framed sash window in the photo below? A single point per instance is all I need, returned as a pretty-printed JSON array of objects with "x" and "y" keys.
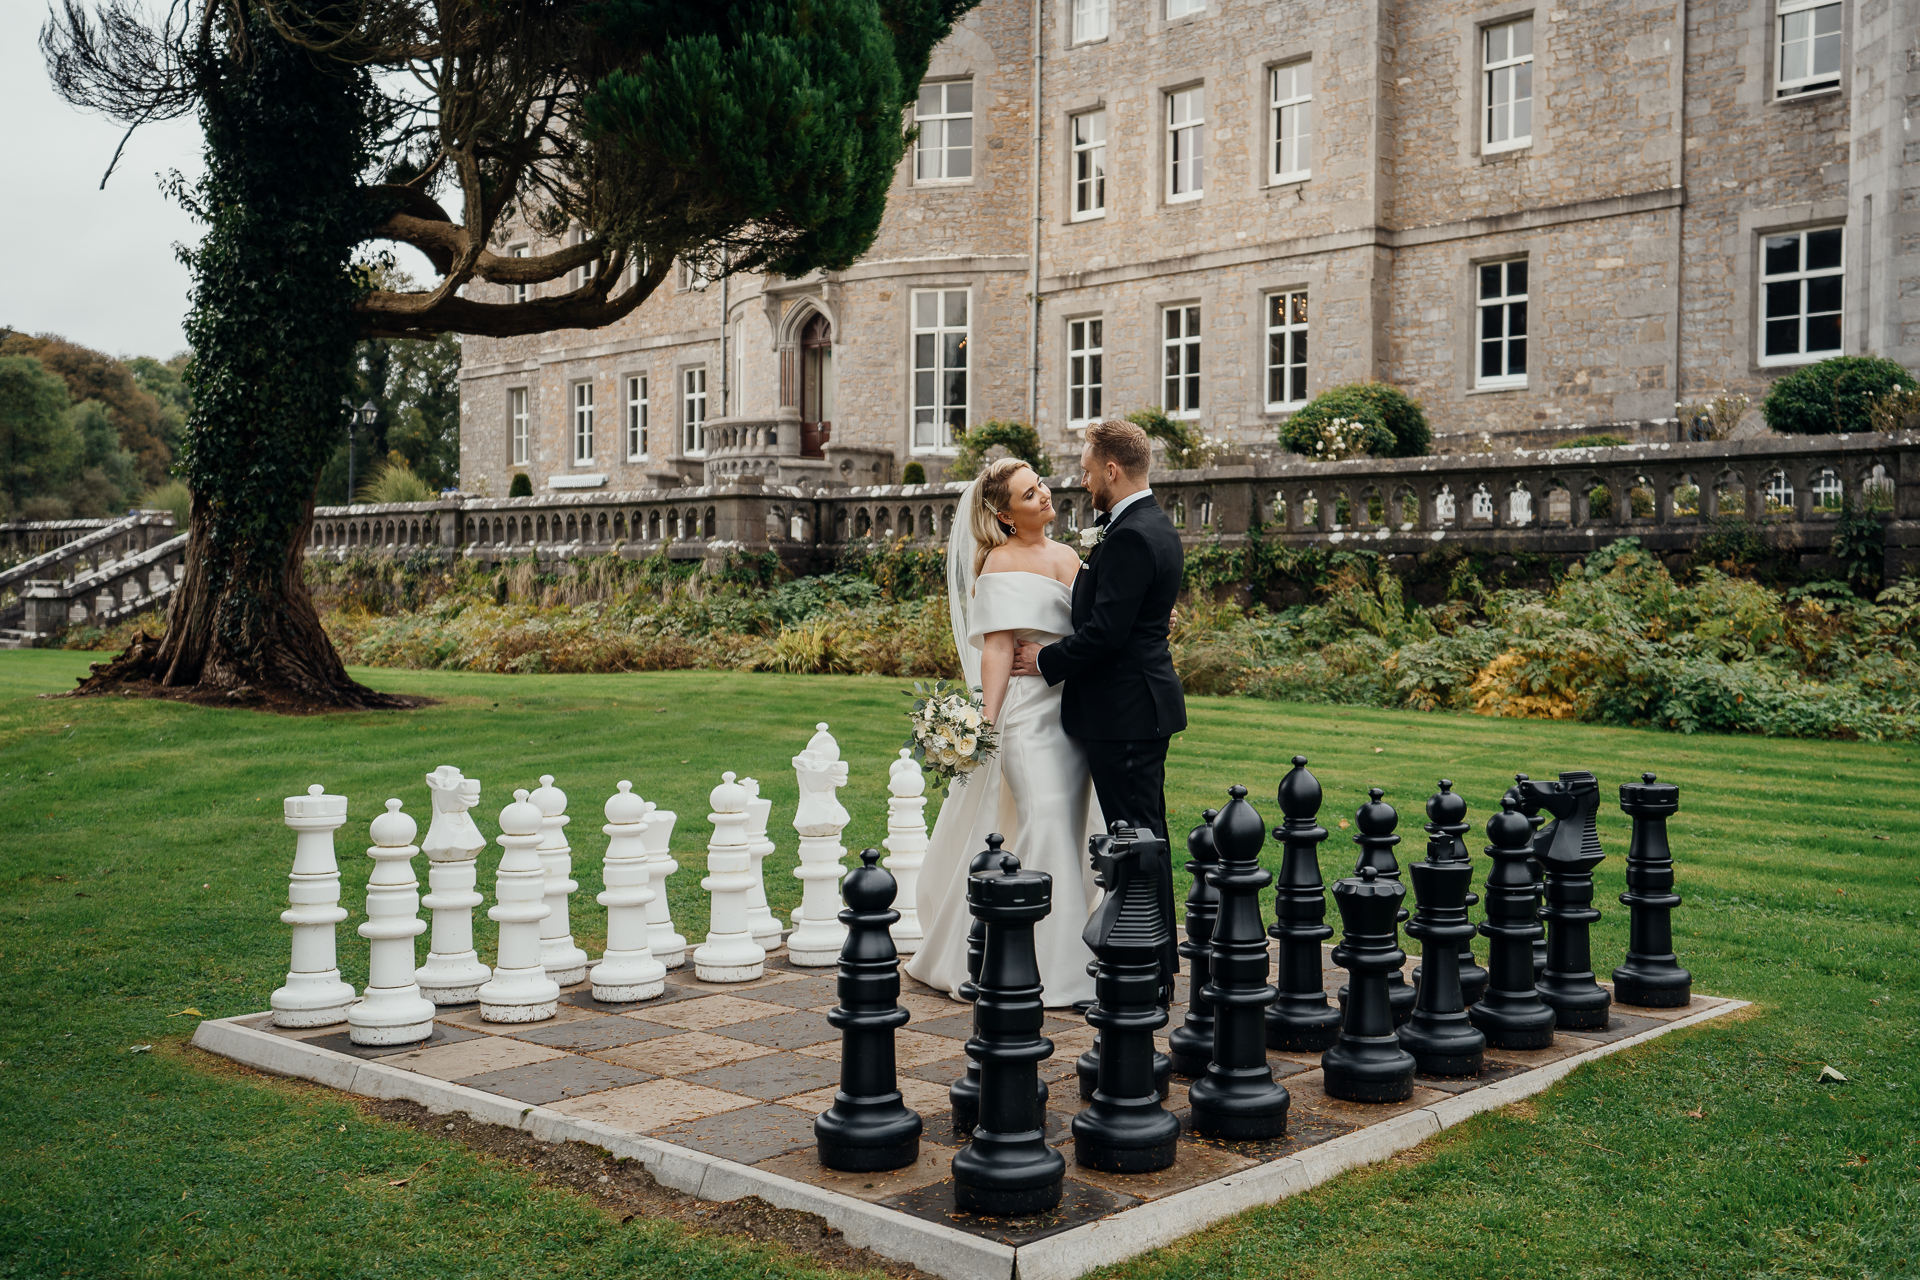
[
  {"x": 942, "y": 327},
  {"x": 1186, "y": 143},
  {"x": 944, "y": 114},
  {"x": 1291, "y": 88},
  {"x": 1502, "y": 334},
  {"x": 582, "y": 422},
  {"x": 1803, "y": 295},
  {"x": 637, "y": 417},
  {"x": 1180, "y": 353},
  {"x": 1089, "y": 164},
  {"x": 1181, "y": 8},
  {"x": 517, "y": 424},
  {"x": 1507, "y": 81},
  {"x": 1807, "y": 52},
  {"x": 1090, "y": 20},
  {"x": 1287, "y": 349},
  {"x": 1086, "y": 372},
  {"x": 521, "y": 292},
  {"x": 693, "y": 411}
]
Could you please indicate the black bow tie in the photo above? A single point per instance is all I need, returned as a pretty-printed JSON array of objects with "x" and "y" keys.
[{"x": 1100, "y": 521}]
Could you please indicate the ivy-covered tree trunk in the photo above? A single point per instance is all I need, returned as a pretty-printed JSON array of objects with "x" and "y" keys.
[{"x": 272, "y": 331}]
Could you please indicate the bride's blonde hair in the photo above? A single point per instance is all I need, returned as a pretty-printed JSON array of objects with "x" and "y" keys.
[{"x": 991, "y": 496}]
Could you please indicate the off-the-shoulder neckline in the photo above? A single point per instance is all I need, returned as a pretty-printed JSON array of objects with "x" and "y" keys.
[{"x": 1027, "y": 572}]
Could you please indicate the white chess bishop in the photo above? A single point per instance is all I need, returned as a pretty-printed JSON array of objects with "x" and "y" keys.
[{"x": 453, "y": 971}]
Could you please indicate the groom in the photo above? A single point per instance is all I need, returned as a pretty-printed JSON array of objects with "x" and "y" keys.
[{"x": 1122, "y": 698}]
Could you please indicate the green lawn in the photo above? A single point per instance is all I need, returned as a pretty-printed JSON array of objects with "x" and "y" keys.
[{"x": 144, "y": 863}]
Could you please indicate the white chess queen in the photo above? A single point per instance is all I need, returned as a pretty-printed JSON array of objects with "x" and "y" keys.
[{"x": 1008, "y": 582}]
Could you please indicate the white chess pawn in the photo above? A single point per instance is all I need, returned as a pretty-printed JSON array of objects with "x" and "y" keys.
[
  {"x": 906, "y": 845},
  {"x": 394, "y": 1011},
  {"x": 314, "y": 995},
  {"x": 729, "y": 954},
  {"x": 668, "y": 947},
  {"x": 453, "y": 971},
  {"x": 817, "y": 932},
  {"x": 760, "y": 918},
  {"x": 566, "y": 963},
  {"x": 628, "y": 971},
  {"x": 520, "y": 990}
]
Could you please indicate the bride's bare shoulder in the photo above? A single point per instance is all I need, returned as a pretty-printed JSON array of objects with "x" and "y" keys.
[
  {"x": 1002, "y": 559},
  {"x": 1064, "y": 562}
]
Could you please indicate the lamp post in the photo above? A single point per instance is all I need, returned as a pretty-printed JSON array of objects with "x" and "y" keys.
[{"x": 364, "y": 416}]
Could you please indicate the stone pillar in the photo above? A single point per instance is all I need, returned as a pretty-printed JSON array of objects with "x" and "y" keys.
[{"x": 314, "y": 995}]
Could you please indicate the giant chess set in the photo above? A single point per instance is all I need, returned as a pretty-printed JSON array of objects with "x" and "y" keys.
[{"x": 1230, "y": 1067}]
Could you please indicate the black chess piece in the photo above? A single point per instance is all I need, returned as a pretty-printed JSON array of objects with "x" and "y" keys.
[
  {"x": 1368, "y": 1064},
  {"x": 1190, "y": 1047},
  {"x": 1300, "y": 1020},
  {"x": 1439, "y": 1036},
  {"x": 1086, "y": 1067},
  {"x": 1446, "y": 828},
  {"x": 1125, "y": 1129},
  {"x": 1572, "y": 852},
  {"x": 869, "y": 1127},
  {"x": 1511, "y": 1013},
  {"x": 963, "y": 1095},
  {"x": 1238, "y": 1099},
  {"x": 1008, "y": 1170},
  {"x": 1535, "y": 820},
  {"x": 1374, "y": 822},
  {"x": 1650, "y": 977}
]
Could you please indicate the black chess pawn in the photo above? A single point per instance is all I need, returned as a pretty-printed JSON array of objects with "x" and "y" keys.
[
  {"x": 1008, "y": 1170},
  {"x": 1300, "y": 1020},
  {"x": 1572, "y": 852},
  {"x": 1651, "y": 977},
  {"x": 1125, "y": 1129},
  {"x": 1439, "y": 1036},
  {"x": 869, "y": 1127},
  {"x": 1238, "y": 1099},
  {"x": 1511, "y": 1014},
  {"x": 1374, "y": 822},
  {"x": 1368, "y": 1064},
  {"x": 1190, "y": 1047},
  {"x": 1447, "y": 827},
  {"x": 963, "y": 1095},
  {"x": 1535, "y": 820}
]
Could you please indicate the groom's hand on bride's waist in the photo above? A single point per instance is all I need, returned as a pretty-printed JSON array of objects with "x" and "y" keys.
[{"x": 1026, "y": 659}]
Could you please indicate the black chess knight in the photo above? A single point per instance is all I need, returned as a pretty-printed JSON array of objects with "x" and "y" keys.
[{"x": 1572, "y": 852}]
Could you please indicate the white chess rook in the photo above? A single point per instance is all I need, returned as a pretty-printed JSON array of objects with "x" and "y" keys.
[
  {"x": 394, "y": 1011},
  {"x": 314, "y": 995},
  {"x": 760, "y": 918},
  {"x": 520, "y": 990},
  {"x": 566, "y": 963},
  {"x": 729, "y": 954},
  {"x": 628, "y": 970},
  {"x": 453, "y": 972},
  {"x": 906, "y": 844},
  {"x": 817, "y": 932},
  {"x": 668, "y": 947}
]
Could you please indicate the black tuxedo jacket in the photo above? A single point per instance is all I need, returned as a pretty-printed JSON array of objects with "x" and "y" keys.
[{"x": 1121, "y": 684}]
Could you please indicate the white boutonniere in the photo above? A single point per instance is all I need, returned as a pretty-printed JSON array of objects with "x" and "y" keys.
[{"x": 1091, "y": 536}]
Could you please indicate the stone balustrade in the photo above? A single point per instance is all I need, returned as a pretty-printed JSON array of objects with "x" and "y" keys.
[
  {"x": 104, "y": 595},
  {"x": 60, "y": 549}
]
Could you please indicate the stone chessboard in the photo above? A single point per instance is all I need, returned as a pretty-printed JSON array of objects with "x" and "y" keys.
[{"x": 714, "y": 1087}]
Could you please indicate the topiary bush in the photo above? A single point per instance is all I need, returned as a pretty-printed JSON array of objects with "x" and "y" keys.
[
  {"x": 1834, "y": 396},
  {"x": 913, "y": 474},
  {"x": 521, "y": 486},
  {"x": 1392, "y": 410},
  {"x": 1017, "y": 438}
]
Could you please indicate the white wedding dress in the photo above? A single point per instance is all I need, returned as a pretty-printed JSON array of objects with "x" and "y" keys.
[{"x": 1034, "y": 790}]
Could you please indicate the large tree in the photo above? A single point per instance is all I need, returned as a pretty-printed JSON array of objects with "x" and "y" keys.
[{"x": 735, "y": 134}]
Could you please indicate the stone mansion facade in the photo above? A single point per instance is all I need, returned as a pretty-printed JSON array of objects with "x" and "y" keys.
[{"x": 1526, "y": 213}]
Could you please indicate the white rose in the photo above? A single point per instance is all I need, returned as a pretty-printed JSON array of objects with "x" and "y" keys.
[
  {"x": 1090, "y": 536},
  {"x": 968, "y": 744}
]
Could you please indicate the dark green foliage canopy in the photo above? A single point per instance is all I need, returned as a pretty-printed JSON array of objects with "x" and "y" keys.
[
  {"x": 521, "y": 486},
  {"x": 37, "y": 447},
  {"x": 1185, "y": 447},
  {"x": 1833, "y": 397},
  {"x": 1402, "y": 424},
  {"x": 1017, "y": 438}
]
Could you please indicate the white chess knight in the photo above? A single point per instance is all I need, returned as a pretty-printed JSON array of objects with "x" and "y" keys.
[
  {"x": 817, "y": 932},
  {"x": 314, "y": 995},
  {"x": 394, "y": 1011},
  {"x": 628, "y": 971},
  {"x": 729, "y": 954},
  {"x": 906, "y": 845},
  {"x": 760, "y": 918},
  {"x": 668, "y": 947},
  {"x": 520, "y": 990},
  {"x": 453, "y": 971},
  {"x": 566, "y": 963}
]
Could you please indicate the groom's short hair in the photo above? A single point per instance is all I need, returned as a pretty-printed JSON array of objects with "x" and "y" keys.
[{"x": 1123, "y": 444}]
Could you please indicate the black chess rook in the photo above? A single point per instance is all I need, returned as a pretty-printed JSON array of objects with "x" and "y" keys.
[
  {"x": 1511, "y": 1014},
  {"x": 1572, "y": 851},
  {"x": 1368, "y": 1064},
  {"x": 1125, "y": 1129},
  {"x": 1439, "y": 1036},
  {"x": 1447, "y": 827},
  {"x": 1300, "y": 1020},
  {"x": 1008, "y": 1170},
  {"x": 1374, "y": 822},
  {"x": 869, "y": 1128},
  {"x": 1651, "y": 976},
  {"x": 1190, "y": 1047}
]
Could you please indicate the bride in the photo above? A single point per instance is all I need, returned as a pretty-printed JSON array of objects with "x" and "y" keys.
[{"x": 1008, "y": 582}]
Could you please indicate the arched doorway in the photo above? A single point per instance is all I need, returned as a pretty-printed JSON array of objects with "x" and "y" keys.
[{"x": 816, "y": 387}]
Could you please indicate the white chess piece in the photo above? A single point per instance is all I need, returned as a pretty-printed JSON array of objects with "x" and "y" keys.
[
  {"x": 668, "y": 947},
  {"x": 906, "y": 845},
  {"x": 394, "y": 1011},
  {"x": 760, "y": 918},
  {"x": 566, "y": 963},
  {"x": 729, "y": 954},
  {"x": 520, "y": 990},
  {"x": 314, "y": 995},
  {"x": 817, "y": 932},
  {"x": 453, "y": 971},
  {"x": 628, "y": 971}
]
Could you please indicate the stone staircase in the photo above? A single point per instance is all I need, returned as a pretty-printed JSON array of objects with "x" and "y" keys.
[{"x": 102, "y": 576}]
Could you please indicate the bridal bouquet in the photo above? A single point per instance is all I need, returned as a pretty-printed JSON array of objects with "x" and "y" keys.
[{"x": 951, "y": 736}]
